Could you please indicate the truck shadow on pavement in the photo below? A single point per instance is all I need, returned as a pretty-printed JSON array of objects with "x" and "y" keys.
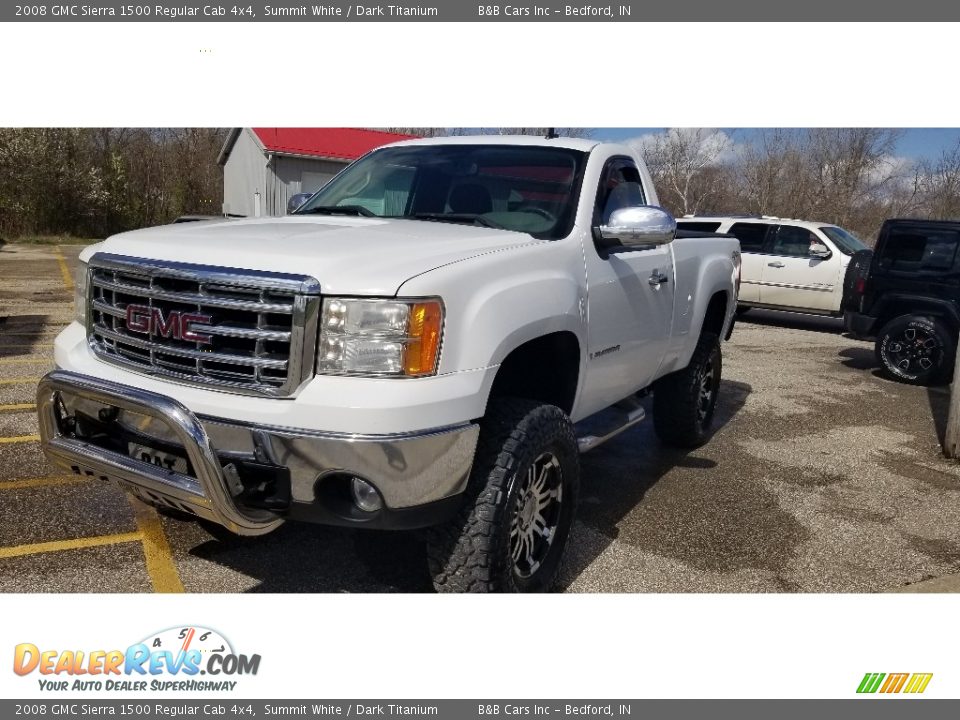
[
  {"x": 860, "y": 358},
  {"x": 21, "y": 336},
  {"x": 938, "y": 397},
  {"x": 312, "y": 558},
  {"x": 618, "y": 477}
]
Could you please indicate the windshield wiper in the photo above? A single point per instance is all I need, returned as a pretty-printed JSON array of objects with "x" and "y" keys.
[
  {"x": 337, "y": 210},
  {"x": 462, "y": 218}
]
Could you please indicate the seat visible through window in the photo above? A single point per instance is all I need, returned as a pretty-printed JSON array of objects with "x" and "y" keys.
[
  {"x": 624, "y": 195},
  {"x": 470, "y": 199}
]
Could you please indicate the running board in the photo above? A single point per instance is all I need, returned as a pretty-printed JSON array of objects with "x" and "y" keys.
[{"x": 609, "y": 423}]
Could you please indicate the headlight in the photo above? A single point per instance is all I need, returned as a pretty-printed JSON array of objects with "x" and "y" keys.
[
  {"x": 389, "y": 338},
  {"x": 80, "y": 294}
]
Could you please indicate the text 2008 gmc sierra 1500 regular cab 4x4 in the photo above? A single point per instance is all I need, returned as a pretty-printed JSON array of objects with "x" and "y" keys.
[{"x": 410, "y": 349}]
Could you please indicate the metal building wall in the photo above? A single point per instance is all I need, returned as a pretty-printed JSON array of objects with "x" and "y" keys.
[
  {"x": 244, "y": 174},
  {"x": 284, "y": 178}
]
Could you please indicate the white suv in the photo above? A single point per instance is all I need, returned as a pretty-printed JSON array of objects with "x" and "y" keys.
[{"x": 795, "y": 265}]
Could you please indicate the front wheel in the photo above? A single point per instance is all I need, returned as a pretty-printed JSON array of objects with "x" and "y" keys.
[
  {"x": 684, "y": 401},
  {"x": 518, "y": 507},
  {"x": 916, "y": 350}
]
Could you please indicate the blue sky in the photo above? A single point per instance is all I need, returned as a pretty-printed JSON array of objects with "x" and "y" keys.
[{"x": 916, "y": 143}]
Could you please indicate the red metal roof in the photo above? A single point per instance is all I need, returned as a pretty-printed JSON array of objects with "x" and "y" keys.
[{"x": 340, "y": 143}]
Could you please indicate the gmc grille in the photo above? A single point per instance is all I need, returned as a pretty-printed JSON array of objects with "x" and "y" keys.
[{"x": 260, "y": 338}]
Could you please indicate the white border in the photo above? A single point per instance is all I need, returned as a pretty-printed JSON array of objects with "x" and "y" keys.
[
  {"x": 494, "y": 74},
  {"x": 611, "y": 646}
]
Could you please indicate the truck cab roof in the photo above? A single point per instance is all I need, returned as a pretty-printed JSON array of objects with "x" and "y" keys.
[{"x": 582, "y": 144}]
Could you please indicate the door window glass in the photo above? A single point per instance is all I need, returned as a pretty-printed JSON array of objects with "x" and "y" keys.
[
  {"x": 622, "y": 189},
  {"x": 793, "y": 241},
  {"x": 750, "y": 235},
  {"x": 698, "y": 226}
]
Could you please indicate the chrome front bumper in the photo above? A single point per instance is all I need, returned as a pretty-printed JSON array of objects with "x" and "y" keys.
[{"x": 410, "y": 471}]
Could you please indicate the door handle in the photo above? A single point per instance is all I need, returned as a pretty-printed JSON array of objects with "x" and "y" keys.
[
  {"x": 657, "y": 277},
  {"x": 777, "y": 264}
]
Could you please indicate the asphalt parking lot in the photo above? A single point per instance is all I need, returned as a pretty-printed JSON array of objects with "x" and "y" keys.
[{"x": 822, "y": 477}]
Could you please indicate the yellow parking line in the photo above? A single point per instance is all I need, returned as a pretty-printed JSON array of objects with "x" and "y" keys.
[
  {"x": 11, "y": 322},
  {"x": 160, "y": 566},
  {"x": 61, "y": 545},
  {"x": 18, "y": 439},
  {"x": 19, "y": 381},
  {"x": 50, "y": 481},
  {"x": 4, "y": 333},
  {"x": 24, "y": 361},
  {"x": 64, "y": 270},
  {"x": 17, "y": 406}
]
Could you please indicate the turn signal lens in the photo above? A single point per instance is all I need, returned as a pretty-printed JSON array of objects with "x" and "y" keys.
[{"x": 423, "y": 347}]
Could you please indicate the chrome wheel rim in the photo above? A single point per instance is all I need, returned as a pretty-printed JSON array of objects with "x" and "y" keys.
[
  {"x": 705, "y": 394},
  {"x": 536, "y": 514},
  {"x": 914, "y": 351}
]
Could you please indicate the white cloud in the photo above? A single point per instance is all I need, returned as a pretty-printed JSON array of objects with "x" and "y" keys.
[{"x": 716, "y": 145}]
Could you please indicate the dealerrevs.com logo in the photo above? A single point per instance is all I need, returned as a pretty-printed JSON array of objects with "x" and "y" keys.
[{"x": 173, "y": 659}]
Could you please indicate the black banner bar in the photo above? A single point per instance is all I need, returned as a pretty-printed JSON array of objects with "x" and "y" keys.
[{"x": 475, "y": 11}]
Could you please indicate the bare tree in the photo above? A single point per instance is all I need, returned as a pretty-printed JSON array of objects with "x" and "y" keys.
[
  {"x": 940, "y": 182},
  {"x": 683, "y": 163},
  {"x": 849, "y": 167},
  {"x": 771, "y": 176}
]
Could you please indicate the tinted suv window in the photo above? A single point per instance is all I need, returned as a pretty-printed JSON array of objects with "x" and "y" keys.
[
  {"x": 920, "y": 250},
  {"x": 793, "y": 241},
  {"x": 750, "y": 235},
  {"x": 698, "y": 226}
]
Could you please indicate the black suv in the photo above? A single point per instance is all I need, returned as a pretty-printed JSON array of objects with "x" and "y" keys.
[{"x": 906, "y": 295}]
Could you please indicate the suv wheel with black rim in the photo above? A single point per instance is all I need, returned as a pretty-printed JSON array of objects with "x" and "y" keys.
[
  {"x": 916, "y": 349},
  {"x": 518, "y": 506}
]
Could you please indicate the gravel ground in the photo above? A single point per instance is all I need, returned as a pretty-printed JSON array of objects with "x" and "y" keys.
[{"x": 822, "y": 477}]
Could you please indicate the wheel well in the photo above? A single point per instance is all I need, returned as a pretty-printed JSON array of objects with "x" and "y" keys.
[
  {"x": 903, "y": 307},
  {"x": 716, "y": 313},
  {"x": 546, "y": 369}
]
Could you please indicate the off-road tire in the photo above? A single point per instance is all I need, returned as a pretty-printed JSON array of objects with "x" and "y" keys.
[
  {"x": 473, "y": 552},
  {"x": 916, "y": 349},
  {"x": 682, "y": 416}
]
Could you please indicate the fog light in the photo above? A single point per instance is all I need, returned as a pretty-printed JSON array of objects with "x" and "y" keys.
[{"x": 365, "y": 495}]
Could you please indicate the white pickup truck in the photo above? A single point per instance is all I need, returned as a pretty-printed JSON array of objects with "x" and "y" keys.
[{"x": 428, "y": 342}]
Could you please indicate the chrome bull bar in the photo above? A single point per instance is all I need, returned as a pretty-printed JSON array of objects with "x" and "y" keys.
[{"x": 205, "y": 493}]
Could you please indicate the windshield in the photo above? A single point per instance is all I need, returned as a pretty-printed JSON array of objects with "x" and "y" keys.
[
  {"x": 525, "y": 189},
  {"x": 846, "y": 242}
]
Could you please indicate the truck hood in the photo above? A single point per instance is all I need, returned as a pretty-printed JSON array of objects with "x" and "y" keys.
[{"x": 348, "y": 255}]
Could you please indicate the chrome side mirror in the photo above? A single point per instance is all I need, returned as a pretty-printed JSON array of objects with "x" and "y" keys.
[
  {"x": 295, "y": 201},
  {"x": 641, "y": 225},
  {"x": 820, "y": 251}
]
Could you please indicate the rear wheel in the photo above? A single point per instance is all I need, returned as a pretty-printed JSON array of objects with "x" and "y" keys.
[
  {"x": 518, "y": 507},
  {"x": 684, "y": 402},
  {"x": 915, "y": 349}
]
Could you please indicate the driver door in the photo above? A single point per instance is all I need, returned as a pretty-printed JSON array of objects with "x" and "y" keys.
[{"x": 629, "y": 300}]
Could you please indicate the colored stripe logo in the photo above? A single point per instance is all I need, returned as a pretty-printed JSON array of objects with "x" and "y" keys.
[{"x": 913, "y": 683}]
